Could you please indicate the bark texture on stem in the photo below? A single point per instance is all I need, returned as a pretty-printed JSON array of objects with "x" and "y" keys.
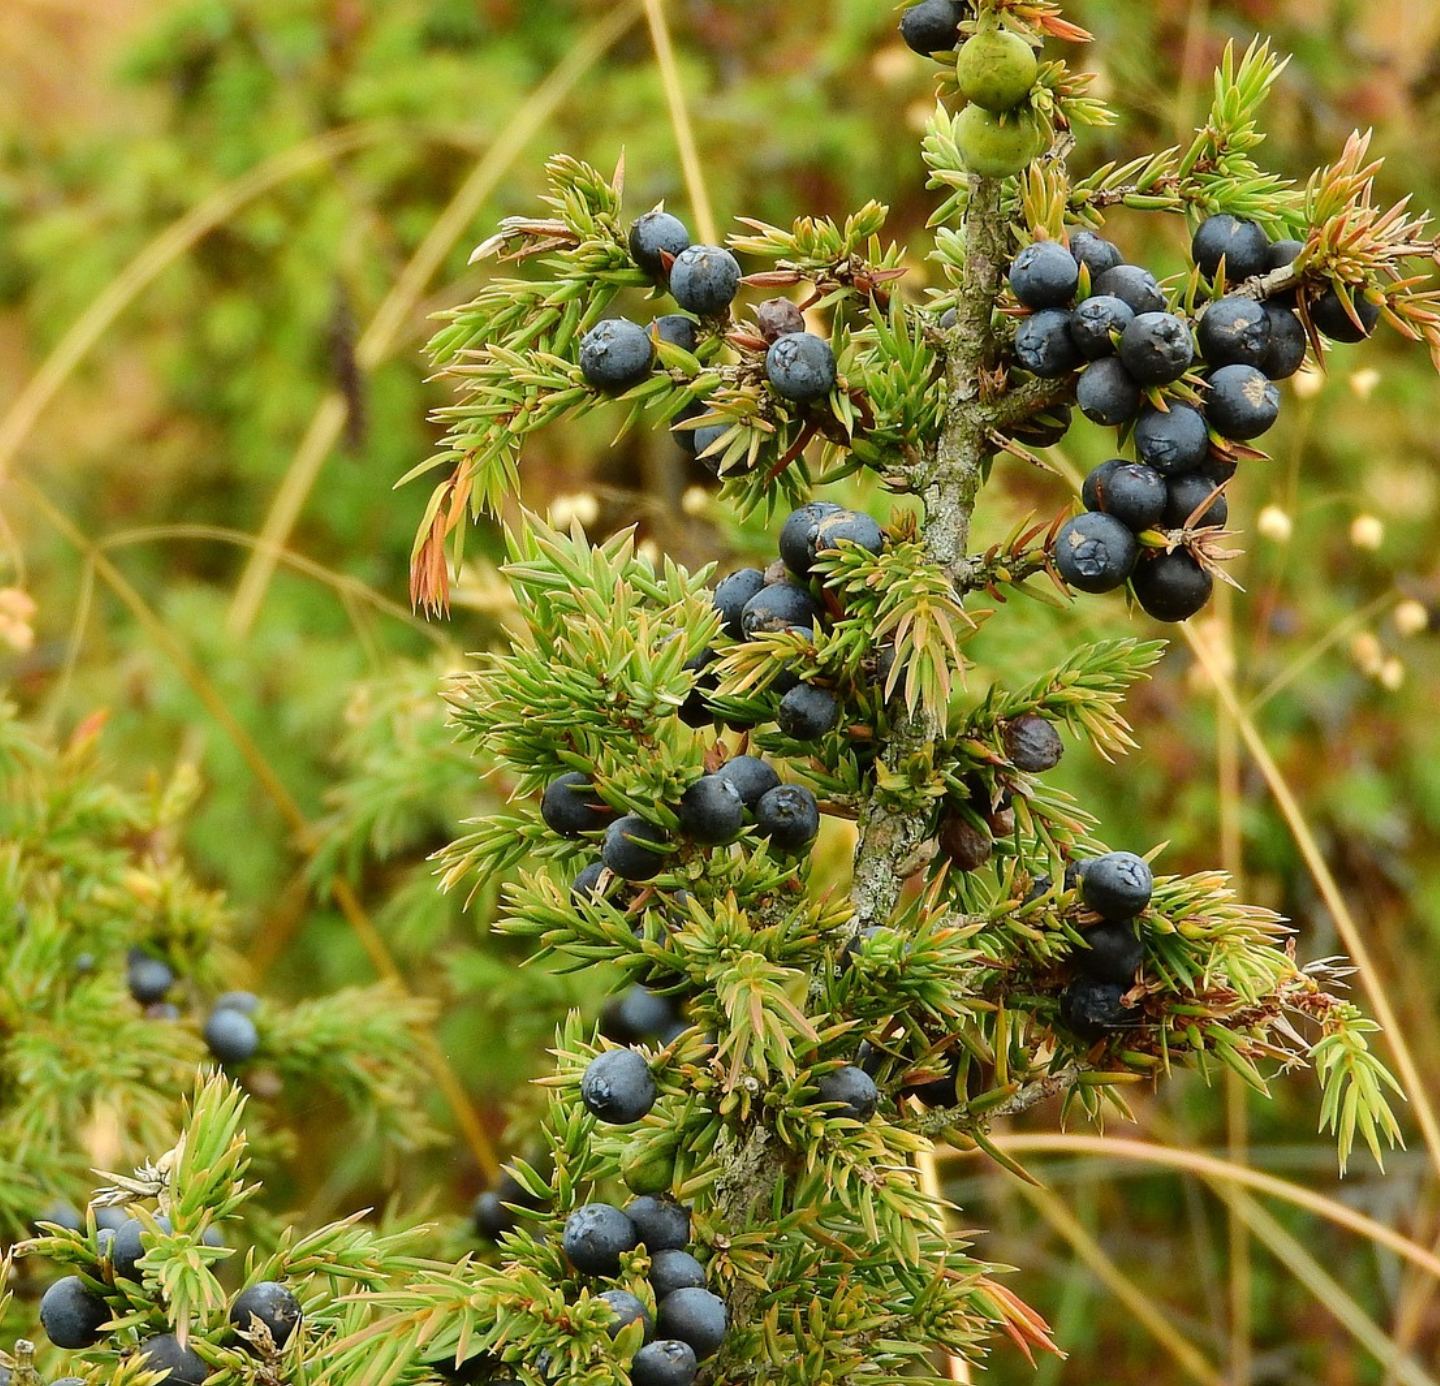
[{"x": 891, "y": 843}]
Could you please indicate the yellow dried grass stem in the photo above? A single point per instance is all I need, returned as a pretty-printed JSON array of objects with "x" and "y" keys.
[
  {"x": 1408, "y": 1072},
  {"x": 1147, "y": 1313},
  {"x": 160, "y": 253},
  {"x": 1324, "y": 1289},
  {"x": 389, "y": 320},
  {"x": 690, "y": 164},
  {"x": 1214, "y": 1170}
]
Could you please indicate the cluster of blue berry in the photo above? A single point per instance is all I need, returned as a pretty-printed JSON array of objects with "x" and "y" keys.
[
  {"x": 712, "y": 812},
  {"x": 1189, "y": 391},
  {"x": 1114, "y": 890},
  {"x": 689, "y": 1320},
  {"x": 618, "y": 354},
  {"x": 76, "y": 1309},
  {"x": 229, "y": 1030},
  {"x": 783, "y": 598}
]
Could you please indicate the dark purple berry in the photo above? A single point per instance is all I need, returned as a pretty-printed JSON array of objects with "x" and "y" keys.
[
  {"x": 653, "y": 234},
  {"x": 1116, "y": 885},
  {"x": 777, "y": 317},
  {"x": 1107, "y": 393},
  {"x": 1172, "y": 440},
  {"x": 1112, "y": 952},
  {"x": 789, "y": 816},
  {"x": 627, "y": 1310},
  {"x": 595, "y": 1237},
  {"x": 586, "y": 884},
  {"x": 1242, "y": 245},
  {"x": 1044, "y": 275},
  {"x": 1240, "y": 402},
  {"x": 665, "y": 1362},
  {"x": 62, "y": 1214},
  {"x": 163, "y": 1353},
  {"x": 1171, "y": 586},
  {"x": 1047, "y": 429},
  {"x": 571, "y": 807},
  {"x": 1043, "y": 345},
  {"x": 852, "y": 1087},
  {"x": 848, "y": 526},
  {"x": 1156, "y": 348},
  {"x": 704, "y": 280},
  {"x": 1133, "y": 285},
  {"x": 679, "y": 331},
  {"x": 778, "y": 607},
  {"x": 1282, "y": 253},
  {"x": 696, "y": 1317},
  {"x": 1091, "y": 1008},
  {"x": 696, "y": 710},
  {"x": 493, "y": 1212},
  {"x": 616, "y": 354},
  {"x": 931, "y": 26},
  {"x": 71, "y": 1315},
  {"x": 1093, "y": 322},
  {"x": 797, "y": 535},
  {"x": 1329, "y": 314},
  {"x": 231, "y": 1036},
  {"x": 663, "y": 1224},
  {"x": 1186, "y": 494},
  {"x": 489, "y": 1216},
  {"x": 807, "y": 713},
  {"x": 1095, "y": 552},
  {"x": 1234, "y": 331},
  {"x": 801, "y": 367},
  {"x": 632, "y": 848},
  {"x": 1217, "y": 470},
  {"x": 272, "y": 1304},
  {"x": 751, "y": 776},
  {"x": 1285, "y": 353},
  {"x": 1032, "y": 744},
  {"x": 110, "y": 1219},
  {"x": 1130, "y": 491},
  {"x": 938, "y": 1092},
  {"x": 127, "y": 1250},
  {"x": 1095, "y": 253},
  {"x": 672, "y": 1270},
  {"x": 637, "y": 1014},
  {"x": 731, "y": 594},
  {"x": 618, "y": 1087},
  {"x": 711, "y": 811},
  {"x": 707, "y": 449},
  {"x": 148, "y": 978}
]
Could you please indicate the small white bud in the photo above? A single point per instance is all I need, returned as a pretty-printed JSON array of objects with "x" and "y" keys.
[
  {"x": 1411, "y": 617},
  {"x": 1366, "y": 652},
  {"x": 1367, "y": 532},
  {"x": 565, "y": 510},
  {"x": 1308, "y": 381},
  {"x": 1274, "y": 524},
  {"x": 1363, "y": 382}
]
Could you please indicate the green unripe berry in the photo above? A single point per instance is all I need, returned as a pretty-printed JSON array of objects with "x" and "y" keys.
[
  {"x": 647, "y": 1163},
  {"x": 996, "y": 70},
  {"x": 994, "y": 148}
]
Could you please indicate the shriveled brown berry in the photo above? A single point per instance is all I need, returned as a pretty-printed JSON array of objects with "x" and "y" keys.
[
  {"x": 1033, "y": 744},
  {"x": 778, "y": 317},
  {"x": 966, "y": 845}
]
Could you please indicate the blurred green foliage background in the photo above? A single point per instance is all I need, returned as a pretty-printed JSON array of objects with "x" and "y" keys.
[{"x": 223, "y": 225}]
